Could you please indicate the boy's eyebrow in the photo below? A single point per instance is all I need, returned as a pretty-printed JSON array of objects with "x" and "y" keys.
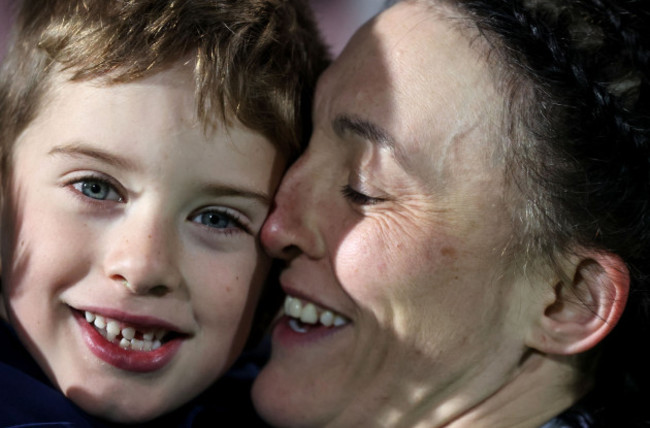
[
  {"x": 228, "y": 190},
  {"x": 80, "y": 149}
]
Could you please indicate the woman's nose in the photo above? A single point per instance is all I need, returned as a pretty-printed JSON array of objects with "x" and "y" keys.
[
  {"x": 293, "y": 226},
  {"x": 143, "y": 257}
]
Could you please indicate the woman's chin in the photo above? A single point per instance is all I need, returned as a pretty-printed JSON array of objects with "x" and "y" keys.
[{"x": 274, "y": 401}]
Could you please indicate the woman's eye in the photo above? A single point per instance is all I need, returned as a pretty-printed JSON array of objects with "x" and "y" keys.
[
  {"x": 359, "y": 198},
  {"x": 219, "y": 220},
  {"x": 97, "y": 189}
]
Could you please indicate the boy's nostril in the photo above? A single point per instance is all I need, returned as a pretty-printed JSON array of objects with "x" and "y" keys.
[{"x": 159, "y": 290}]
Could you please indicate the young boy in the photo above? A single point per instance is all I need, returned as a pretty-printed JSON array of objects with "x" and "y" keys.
[{"x": 141, "y": 144}]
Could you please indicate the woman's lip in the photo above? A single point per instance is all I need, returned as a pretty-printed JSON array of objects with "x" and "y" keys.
[
  {"x": 284, "y": 335},
  {"x": 128, "y": 360}
]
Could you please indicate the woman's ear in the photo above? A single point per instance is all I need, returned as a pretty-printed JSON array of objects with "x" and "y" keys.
[{"x": 586, "y": 307}]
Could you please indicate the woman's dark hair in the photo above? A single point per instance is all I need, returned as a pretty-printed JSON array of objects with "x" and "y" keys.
[{"x": 575, "y": 77}]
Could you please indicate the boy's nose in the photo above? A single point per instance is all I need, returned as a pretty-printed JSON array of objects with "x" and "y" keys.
[{"x": 143, "y": 258}]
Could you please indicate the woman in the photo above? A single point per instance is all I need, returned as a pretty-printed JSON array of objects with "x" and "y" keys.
[{"x": 466, "y": 237}]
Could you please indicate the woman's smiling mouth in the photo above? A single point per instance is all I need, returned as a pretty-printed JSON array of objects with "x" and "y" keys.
[{"x": 305, "y": 314}]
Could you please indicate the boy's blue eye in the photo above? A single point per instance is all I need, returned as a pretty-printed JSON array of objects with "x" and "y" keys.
[
  {"x": 97, "y": 189},
  {"x": 218, "y": 220}
]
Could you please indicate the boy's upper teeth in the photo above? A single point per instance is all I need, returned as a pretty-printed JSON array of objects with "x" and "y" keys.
[
  {"x": 126, "y": 336},
  {"x": 310, "y": 313}
]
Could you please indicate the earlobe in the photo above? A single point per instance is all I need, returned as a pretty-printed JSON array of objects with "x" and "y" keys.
[{"x": 585, "y": 309}]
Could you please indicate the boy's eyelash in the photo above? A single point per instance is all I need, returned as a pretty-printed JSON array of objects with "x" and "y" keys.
[
  {"x": 357, "y": 197},
  {"x": 233, "y": 216},
  {"x": 240, "y": 225},
  {"x": 90, "y": 177}
]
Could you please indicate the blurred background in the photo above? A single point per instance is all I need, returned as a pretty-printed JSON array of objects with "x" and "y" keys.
[
  {"x": 5, "y": 21},
  {"x": 338, "y": 19}
]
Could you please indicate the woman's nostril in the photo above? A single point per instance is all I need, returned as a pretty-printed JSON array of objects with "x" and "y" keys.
[{"x": 290, "y": 252}]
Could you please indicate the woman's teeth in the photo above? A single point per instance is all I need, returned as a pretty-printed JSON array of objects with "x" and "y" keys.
[
  {"x": 126, "y": 337},
  {"x": 309, "y": 313}
]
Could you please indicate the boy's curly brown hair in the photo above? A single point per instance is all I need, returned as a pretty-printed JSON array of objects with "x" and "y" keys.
[{"x": 255, "y": 61}]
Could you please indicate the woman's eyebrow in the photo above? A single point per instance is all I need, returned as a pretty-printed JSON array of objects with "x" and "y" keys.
[
  {"x": 80, "y": 149},
  {"x": 344, "y": 124}
]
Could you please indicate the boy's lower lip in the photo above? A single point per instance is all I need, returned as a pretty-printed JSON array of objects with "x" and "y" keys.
[{"x": 128, "y": 360}]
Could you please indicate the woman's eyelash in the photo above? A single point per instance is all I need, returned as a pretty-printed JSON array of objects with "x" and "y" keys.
[{"x": 358, "y": 198}]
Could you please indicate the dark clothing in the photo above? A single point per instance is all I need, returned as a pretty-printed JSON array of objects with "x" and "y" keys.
[
  {"x": 27, "y": 398},
  {"x": 602, "y": 410}
]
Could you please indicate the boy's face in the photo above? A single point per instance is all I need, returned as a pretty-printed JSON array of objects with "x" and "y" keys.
[{"x": 121, "y": 210}]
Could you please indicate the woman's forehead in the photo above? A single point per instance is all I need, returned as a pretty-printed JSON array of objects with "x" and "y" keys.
[
  {"x": 412, "y": 55},
  {"x": 414, "y": 73}
]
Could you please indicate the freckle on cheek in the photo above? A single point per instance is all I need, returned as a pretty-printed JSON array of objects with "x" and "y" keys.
[{"x": 448, "y": 252}]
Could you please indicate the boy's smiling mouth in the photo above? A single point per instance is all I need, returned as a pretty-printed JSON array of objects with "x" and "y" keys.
[
  {"x": 134, "y": 347},
  {"x": 126, "y": 336}
]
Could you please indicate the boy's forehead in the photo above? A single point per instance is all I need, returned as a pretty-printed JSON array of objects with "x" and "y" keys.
[
  {"x": 144, "y": 118},
  {"x": 179, "y": 73},
  {"x": 64, "y": 92},
  {"x": 101, "y": 111}
]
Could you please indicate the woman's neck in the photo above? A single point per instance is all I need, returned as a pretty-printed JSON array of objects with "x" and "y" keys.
[{"x": 541, "y": 388}]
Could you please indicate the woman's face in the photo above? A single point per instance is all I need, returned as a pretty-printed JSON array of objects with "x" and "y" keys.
[{"x": 394, "y": 227}]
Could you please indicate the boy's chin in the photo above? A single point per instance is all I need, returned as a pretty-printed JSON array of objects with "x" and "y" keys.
[{"x": 118, "y": 411}]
